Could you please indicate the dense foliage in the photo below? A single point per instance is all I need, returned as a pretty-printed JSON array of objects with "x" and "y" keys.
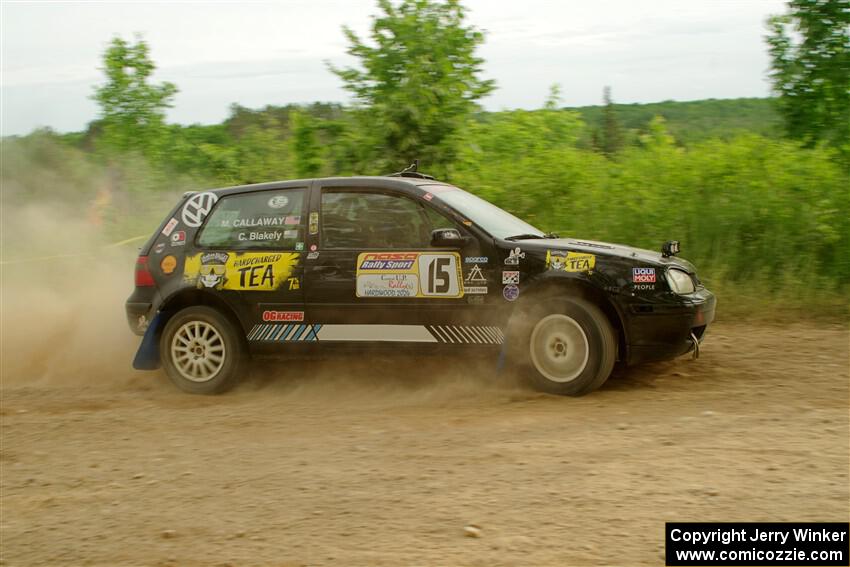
[{"x": 810, "y": 60}]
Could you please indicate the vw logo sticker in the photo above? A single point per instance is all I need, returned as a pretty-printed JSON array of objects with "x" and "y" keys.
[{"x": 197, "y": 208}]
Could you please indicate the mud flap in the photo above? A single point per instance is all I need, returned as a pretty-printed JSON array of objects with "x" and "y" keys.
[{"x": 147, "y": 357}]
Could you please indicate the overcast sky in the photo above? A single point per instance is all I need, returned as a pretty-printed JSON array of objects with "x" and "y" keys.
[{"x": 259, "y": 53}]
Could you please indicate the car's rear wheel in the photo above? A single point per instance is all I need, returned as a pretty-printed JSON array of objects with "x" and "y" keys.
[
  {"x": 569, "y": 347},
  {"x": 201, "y": 351}
]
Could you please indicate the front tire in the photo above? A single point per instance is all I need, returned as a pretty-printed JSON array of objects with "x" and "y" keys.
[
  {"x": 568, "y": 348},
  {"x": 201, "y": 351}
]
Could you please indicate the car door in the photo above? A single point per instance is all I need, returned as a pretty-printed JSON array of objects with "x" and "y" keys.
[
  {"x": 250, "y": 251},
  {"x": 374, "y": 275}
]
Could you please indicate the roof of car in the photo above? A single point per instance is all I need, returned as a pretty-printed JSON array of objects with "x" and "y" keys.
[{"x": 358, "y": 181}]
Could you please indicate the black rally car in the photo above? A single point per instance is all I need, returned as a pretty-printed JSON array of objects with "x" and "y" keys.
[{"x": 289, "y": 267}]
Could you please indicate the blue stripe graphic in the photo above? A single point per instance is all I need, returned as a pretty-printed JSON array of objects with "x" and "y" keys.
[
  {"x": 313, "y": 334},
  {"x": 301, "y": 329}
]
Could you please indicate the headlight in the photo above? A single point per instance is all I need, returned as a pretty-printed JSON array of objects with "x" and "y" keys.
[{"x": 679, "y": 281}]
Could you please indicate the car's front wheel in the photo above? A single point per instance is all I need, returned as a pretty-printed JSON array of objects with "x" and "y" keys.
[
  {"x": 569, "y": 347},
  {"x": 201, "y": 351}
]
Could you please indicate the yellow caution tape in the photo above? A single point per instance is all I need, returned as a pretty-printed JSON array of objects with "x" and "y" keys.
[{"x": 78, "y": 255}]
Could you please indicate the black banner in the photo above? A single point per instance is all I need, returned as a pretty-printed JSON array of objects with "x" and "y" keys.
[{"x": 757, "y": 543}]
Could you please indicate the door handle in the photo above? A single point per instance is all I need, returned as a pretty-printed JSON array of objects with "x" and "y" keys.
[{"x": 327, "y": 270}]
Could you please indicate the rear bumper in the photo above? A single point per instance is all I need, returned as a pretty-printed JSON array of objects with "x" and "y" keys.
[
  {"x": 141, "y": 307},
  {"x": 665, "y": 332},
  {"x": 138, "y": 316}
]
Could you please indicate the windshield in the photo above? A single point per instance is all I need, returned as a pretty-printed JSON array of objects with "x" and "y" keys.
[{"x": 491, "y": 218}]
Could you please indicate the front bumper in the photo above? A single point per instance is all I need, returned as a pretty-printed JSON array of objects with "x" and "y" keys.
[{"x": 663, "y": 331}]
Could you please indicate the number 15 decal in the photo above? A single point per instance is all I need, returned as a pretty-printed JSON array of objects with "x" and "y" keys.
[{"x": 439, "y": 275}]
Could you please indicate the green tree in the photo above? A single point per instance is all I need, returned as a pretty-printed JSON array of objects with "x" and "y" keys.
[
  {"x": 810, "y": 69},
  {"x": 305, "y": 147},
  {"x": 132, "y": 110},
  {"x": 612, "y": 138},
  {"x": 417, "y": 84}
]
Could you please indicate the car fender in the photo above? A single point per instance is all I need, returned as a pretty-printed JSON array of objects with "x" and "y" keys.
[{"x": 599, "y": 286}]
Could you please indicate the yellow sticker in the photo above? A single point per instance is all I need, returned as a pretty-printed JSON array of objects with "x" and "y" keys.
[
  {"x": 246, "y": 271},
  {"x": 570, "y": 261}
]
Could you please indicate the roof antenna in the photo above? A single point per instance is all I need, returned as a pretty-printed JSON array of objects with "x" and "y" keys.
[
  {"x": 413, "y": 167},
  {"x": 411, "y": 170}
]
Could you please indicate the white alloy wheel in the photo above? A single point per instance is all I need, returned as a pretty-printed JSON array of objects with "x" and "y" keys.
[
  {"x": 559, "y": 348},
  {"x": 198, "y": 351}
]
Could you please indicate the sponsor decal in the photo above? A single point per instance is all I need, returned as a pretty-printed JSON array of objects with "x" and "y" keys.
[
  {"x": 278, "y": 201},
  {"x": 292, "y": 220},
  {"x": 510, "y": 277},
  {"x": 514, "y": 257},
  {"x": 197, "y": 208},
  {"x": 475, "y": 276},
  {"x": 142, "y": 323},
  {"x": 312, "y": 255},
  {"x": 643, "y": 275},
  {"x": 313, "y": 248},
  {"x": 644, "y": 287},
  {"x": 290, "y": 234},
  {"x": 510, "y": 292},
  {"x": 314, "y": 223},
  {"x": 474, "y": 299},
  {"x": 476, "y": 260},
  {"x": 294, "y": 284},
  {"x": 428, "y": 196},
  {"x": 170, "y": 226},
  {"x": 299, "y": 246},
  {"x": 253, "y": 222},
  {"x": 386, "y": 261},
  {"x": 475, "y": 282},
  {"x": 387, "y": 285},
  {"x": 210, "y": 271},
  {"x": 570, "y": 261},
  {"x": 283, "y": 315},
  {"x": 411, "y": 274},
  {"x": 178, "y": 238},
  {"x": 260, "y": 236},
  {"x": 159, "y": 248},
  {"x": 168, "y": 264},
  {"x": 247, "y": 271},
  {"x": 475, "y": 290}
]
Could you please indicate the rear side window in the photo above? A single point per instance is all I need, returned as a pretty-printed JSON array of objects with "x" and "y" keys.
[{"x": 264, "y": 220}]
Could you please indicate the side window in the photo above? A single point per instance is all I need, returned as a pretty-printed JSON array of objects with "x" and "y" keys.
[
  {"x": 437, "y": 220},
  {"x": 361, "y": 220},
  {"x": 265, "y": 220}
]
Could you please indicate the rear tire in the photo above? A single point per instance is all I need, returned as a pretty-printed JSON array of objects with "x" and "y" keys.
[
  {"x": 201, "y": 351},
  {"x": 567, "y": 348}
]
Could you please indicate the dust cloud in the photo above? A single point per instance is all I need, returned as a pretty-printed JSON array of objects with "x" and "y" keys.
[{"x": 63, "y": 289}]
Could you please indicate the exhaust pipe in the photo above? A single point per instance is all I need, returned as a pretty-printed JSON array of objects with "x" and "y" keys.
[{"x": 695, "y": 342}]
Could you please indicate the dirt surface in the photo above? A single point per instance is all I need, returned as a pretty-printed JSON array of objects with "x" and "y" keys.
[{"x": 384, "y": 461}]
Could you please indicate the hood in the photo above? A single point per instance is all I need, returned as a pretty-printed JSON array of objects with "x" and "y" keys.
[{"x": 638, "y": 255}]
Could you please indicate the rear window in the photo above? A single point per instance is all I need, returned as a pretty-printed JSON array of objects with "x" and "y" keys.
[{"x": 264, "y": 220}]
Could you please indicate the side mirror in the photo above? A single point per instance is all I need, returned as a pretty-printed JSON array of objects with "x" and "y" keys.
[{"x": 447, "y": 237}]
